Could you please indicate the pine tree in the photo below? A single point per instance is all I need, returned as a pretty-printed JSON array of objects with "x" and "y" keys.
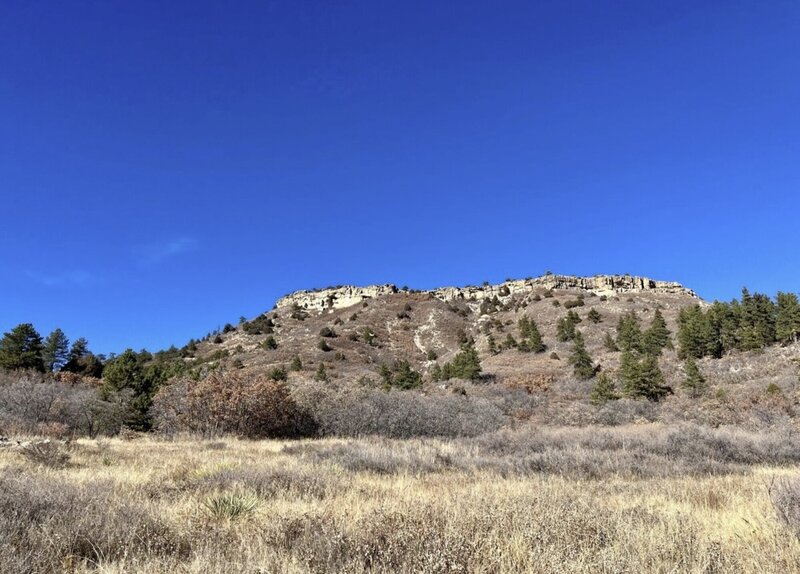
[
  {"x": 656, "y": 337},
  {"x": 465, "y": 365},
  {"x": 629, "y": 333},
  {"x": 529, "y": 331},
  {"x": 603, "y": 390},
  {"x": 55, "y": 351},
  {"x": 565, "y": 328},
  {"x": 322, "y": 373},
  {"x": 694, "y": 382},
  {"x": 610, "y": 344},
  {"x": 695, "y": 337},
  {"x": 594, "y": 316},
  {"x": 629, "y": 373},
  {"x": 297, "y": 364},
  {"x": 580, "y": 359},
  {"x": 787, "y": 321},
  {"x": 490, "y": 340},
  {"x": 21, "y": 348},
  {"x": 652, "y": 385}
]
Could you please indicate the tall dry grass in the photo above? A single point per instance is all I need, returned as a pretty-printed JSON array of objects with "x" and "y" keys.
[{"x": 633, "y": 499}]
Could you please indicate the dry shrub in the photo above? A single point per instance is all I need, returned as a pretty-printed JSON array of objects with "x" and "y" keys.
[
  {"x": 74, "y": 524},
  {"x": 785, "y": 496},
  {"x": 45, "y": 453},
  {"x": 252, "y": 406},
  {"x": 355, "y": 412}
]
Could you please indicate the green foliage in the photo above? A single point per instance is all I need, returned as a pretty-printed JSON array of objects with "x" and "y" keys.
[
  {"x": 629, "y": 333},
  {"x": 431, "y": 355},
  {"x": 529, "y": 332},
  {"x": 269, "y": 343},
  {"x": 787, "y": 321},
  {"x": 656, "y": 338},
  {"x": 609, "y": 343},
  {"x": 322, "y": 374},
  {"x": 324, "y": 346},
  {"x": 695, "y": 335},
  {"x": 21, "y": 348},
  {"x": 694, "y": 380},
  {"x": 509, "y": 343},
  {"x": 401, "y": 376},
  {"x": 297, "y": 364},
  {"x": 565, "y": 328},
  {"x": 641, "y": 377},
  {"x": 465, "y": 365},
  {"x": 55, "y": 351},
  {"x": 773, "y": 389},
  {"x": 369, "y": 336},
  {"x": 594, "y": 316},
  {"x": 230, "y": 505},
  {"x": 279, "y": 374},
  {"x": 604, "y": 390},
  {"x": 261, "y": 325},
  {"x": 571, "y": 304},
  {"x": 217, "y": 340},
  {"x": 328, "y": 332},
  {"x": 580, "y": 359}
]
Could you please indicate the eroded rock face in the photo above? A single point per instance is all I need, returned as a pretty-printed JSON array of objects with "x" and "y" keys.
[{"x": 348, "y": 295}]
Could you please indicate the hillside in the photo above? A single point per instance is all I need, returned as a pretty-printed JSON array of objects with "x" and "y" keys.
[{"x": 365, "y": 328}]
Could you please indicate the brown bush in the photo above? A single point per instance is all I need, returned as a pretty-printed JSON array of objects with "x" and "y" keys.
[{"x": 253, "y": 406}]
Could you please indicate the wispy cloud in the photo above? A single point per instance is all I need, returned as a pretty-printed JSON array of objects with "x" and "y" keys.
[
  {"x": 152, "y": 253},
  {"x": 69, "y": 277}
]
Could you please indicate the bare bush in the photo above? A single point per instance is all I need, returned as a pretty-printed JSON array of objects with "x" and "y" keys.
[
  {"x": 45, "y": 453},
  {"x": 75, "y": 524},
  {"x": 252, "y": 406},
  {"x": 398, "y": 414},
  {"x": 785, "y": 496}
]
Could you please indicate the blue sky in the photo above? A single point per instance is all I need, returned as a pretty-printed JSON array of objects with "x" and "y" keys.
[{"x": 166, "y": 167}]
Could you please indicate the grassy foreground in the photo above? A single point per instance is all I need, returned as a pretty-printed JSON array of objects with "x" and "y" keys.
[{"x": 375, "y": 505}]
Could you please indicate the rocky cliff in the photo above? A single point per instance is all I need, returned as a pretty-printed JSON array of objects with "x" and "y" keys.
[{"x": 348, "y": 295}]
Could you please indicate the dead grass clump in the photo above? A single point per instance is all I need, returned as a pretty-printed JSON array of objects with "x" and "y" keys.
[
  {"x": 47, "y": 523},
  {"x": 785, "y": 497},
  {"x": 45, "y": 453}
]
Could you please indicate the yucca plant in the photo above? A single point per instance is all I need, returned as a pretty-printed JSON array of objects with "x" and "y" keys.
[{"x": 231, "y": 505}]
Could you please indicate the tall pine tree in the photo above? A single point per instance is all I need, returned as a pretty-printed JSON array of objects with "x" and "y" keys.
[
  {"x": 21, "y": 348},
  {"x": 55, "y": 351}
]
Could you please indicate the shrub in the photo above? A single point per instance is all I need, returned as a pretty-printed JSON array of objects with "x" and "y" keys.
[
  {"x": 261, "y": 325},
  {"x": 231, "y": 505},
  {"x": 217, "y": 340},
  {"x": 269, "y": 343},
  {"x": 327, "y": 332},
  {"x": 363, "y": 411},
  {"x": 324, "y": 346},
  {"x": 232, "y": 402},
  {"x": 400, "y": 375},
  {"x": 45, "y": 453}
]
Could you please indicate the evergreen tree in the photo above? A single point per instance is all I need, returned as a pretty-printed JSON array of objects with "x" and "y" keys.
[
  {"x": 695, "y": 337},
  {"x": 529, "y": 331},
  {"x": 21, "y": 348},
  {"x": 297, "y": 364},
  {"x": 603, "y": 390},
  {"x": 629, "y": 373},
  {"x": 80, "y": 348},
  {"x": 322, "y": 373},
  {"x": 610, "y": 344},
  {"x": 55, "y": 351},
  {"x": 656, "y": 337},
  {"x": 629, "y": 333},
  {"x": 492, "y": 345},
  {"x": 757, "y": 324},
  {"x": 787, "y": 320},
  {"x": 694, "y": 382},
  {"x": 594, "y": 316},
  {"x": 465, "y": 365},
  {"x": 652, "y": 383},
  {"x": 580, "y": 359},
  {"x": 565, "y": 328},
  {"x": 723, "y": 326}
]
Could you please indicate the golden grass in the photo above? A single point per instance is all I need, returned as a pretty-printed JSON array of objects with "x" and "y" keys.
[{"x": 313, "y": 515}]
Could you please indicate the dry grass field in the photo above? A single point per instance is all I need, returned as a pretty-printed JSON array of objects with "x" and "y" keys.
[{"x": 638, "y": 498}]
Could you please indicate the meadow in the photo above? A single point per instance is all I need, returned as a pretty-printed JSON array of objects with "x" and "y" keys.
[{"x": 633, "y": 498}]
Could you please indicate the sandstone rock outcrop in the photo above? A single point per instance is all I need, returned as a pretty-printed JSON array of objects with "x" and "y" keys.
[{"x": 348, "y": 295}]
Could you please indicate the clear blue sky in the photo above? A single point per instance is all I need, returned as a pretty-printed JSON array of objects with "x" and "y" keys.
[{"x": 166, "y": 167}]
